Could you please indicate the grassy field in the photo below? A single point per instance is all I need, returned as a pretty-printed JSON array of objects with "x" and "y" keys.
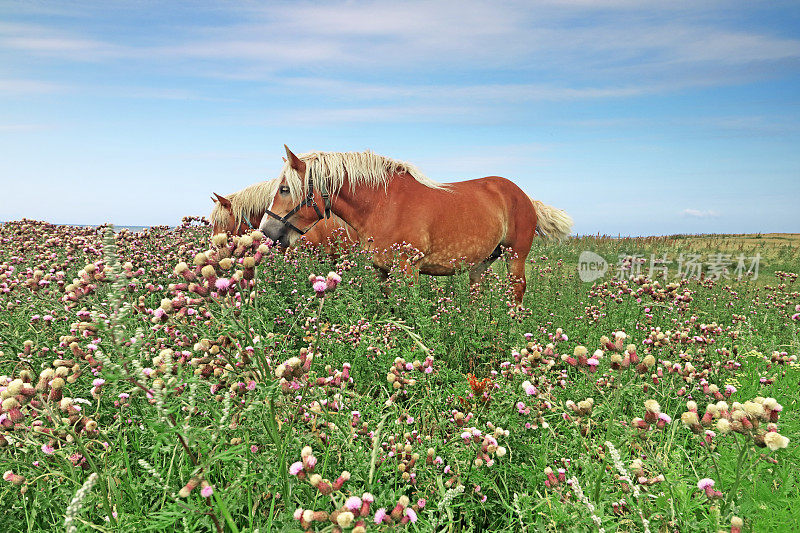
[{"x": 154, "y": 381}]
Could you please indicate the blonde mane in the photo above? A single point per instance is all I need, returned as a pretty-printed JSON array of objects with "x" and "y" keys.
[
  {"x": 251, "y": 200},
  {"x": 361, "y": 168}
]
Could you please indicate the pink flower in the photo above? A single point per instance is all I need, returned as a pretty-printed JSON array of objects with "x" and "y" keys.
[
  {"x": 99, "y": 382},
  {"x": 47, "y": 449},
  {"x": 411, "y": 514},
  {"x": 353, "y": 503},
  {"x": 222, "y": 284},
  {"x": 705, "y": 482},
  {"x": 296, "y": 468},
  {"x": 319, "y": 287},
  {"x": 253, "y": 448},
  {"x": 333, "y": 280},
  {"x": 206, "y": 491},
  {"x": 380, "y": 515},
  {"x": 529, "y": 389}
]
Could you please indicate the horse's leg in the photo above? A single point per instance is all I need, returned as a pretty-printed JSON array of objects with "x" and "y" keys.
[
  {"x": 383, "y": 279},
  {"x": 516, "y": 269},
  {"x": 411, "y": 271},
  {"x": 520, "y": 240},
  {"x": 477, "y": 270}
]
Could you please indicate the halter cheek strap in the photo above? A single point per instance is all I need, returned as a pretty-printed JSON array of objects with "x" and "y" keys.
[
  {"x": 308, "y": 200},
  {"x": 247, "y": 220}
]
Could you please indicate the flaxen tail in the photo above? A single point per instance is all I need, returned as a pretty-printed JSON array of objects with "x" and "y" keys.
[{"x": 553, "y": 223}]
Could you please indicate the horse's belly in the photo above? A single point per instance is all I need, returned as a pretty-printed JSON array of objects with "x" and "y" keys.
[
  {"x": 438, "y": 270},
  {"x": 450, "y": 259}
]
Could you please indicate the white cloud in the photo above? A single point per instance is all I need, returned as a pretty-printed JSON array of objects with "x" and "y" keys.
[
  {"x": 699, "y": 213},
  {"x": 26, "y": 87},
  {"x": 21, "y": 128},
  {"x": 616, "y": 47}
]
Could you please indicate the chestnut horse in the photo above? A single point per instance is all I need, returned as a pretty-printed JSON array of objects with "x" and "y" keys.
[
  {"x": 241, "y": 212},
  {"x": 387, "y": 202}
]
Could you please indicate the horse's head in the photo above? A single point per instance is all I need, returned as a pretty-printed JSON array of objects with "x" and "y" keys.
[
  {"x": 222, "y": 218},
  {"x": 297, "y": 211}
]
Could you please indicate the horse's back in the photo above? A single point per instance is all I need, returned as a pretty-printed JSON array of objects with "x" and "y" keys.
[
  {"x": 494, "y": 195},
  {"x": 466, "y": 220}
]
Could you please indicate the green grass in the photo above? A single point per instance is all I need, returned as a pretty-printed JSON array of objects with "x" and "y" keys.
[{"x": 199, "y": 396}]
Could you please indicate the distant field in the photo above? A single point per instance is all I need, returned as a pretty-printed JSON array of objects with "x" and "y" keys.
[{"x": 153, "y": 382}]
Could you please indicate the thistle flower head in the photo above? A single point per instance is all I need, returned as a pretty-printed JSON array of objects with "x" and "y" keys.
[
  {"x": 353, "y": 503},
  {"x": 705, "y": 482},
  {"x": 208, "y": 271},
  {"x": 319, "y": 287},
  {"x": 219, "y": 240},
  {"x": 774, "y": 441},
  {"x": 652, "y": 406},
  {"x": 345, "y": 519}
]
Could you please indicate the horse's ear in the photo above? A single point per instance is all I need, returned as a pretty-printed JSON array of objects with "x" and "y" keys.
[
  {"x": 224, "y": 202},
  {"x": 294, "y": 161}
]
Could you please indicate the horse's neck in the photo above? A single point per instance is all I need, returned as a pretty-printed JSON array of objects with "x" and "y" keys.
[{"x": 356, "y": 207}]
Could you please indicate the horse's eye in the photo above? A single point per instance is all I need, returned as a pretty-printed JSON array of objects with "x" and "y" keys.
[{"x": 284, "y": 189}]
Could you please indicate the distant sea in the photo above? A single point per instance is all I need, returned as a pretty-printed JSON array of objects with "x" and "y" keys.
[{"x": 116, "y": 228}]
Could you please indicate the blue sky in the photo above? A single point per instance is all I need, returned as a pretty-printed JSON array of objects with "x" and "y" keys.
[{"x": 635, "y": 117}]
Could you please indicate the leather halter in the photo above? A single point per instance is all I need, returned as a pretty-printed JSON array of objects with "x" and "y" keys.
[
  {"x": 308, "y": 200},
  {"x": 247, "y": 220}
]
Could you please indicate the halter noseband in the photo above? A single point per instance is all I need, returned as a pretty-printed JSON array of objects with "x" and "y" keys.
[{"x": 308, "y": 200}]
